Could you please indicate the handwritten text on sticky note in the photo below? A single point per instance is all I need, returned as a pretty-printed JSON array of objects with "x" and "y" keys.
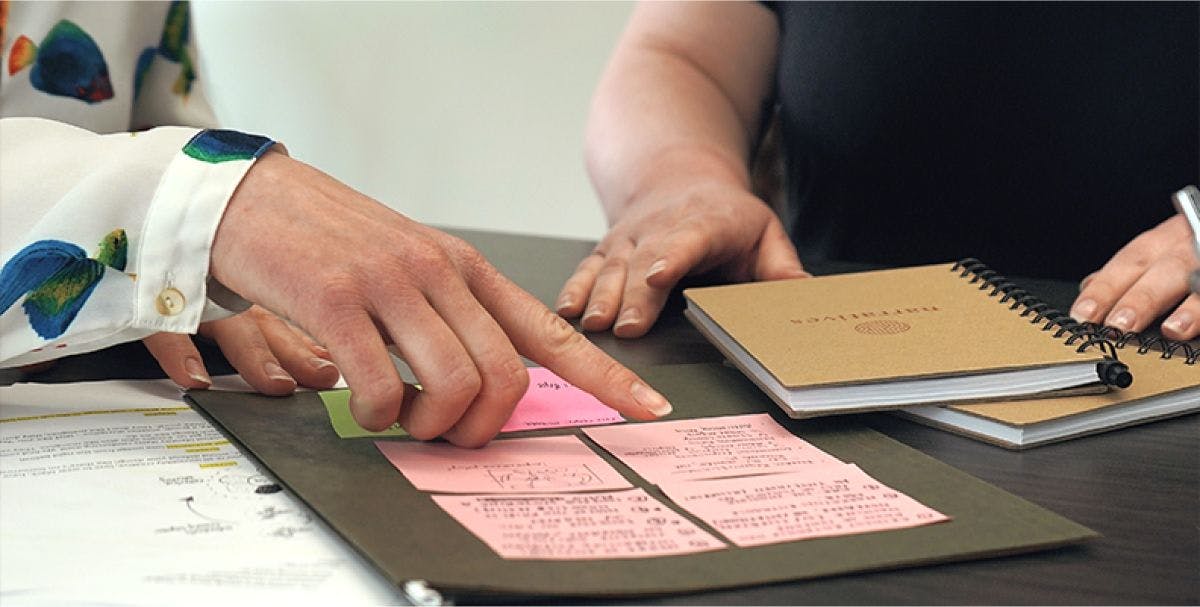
[
  {"x": 622, "y": 524},
  {"x": 518, "y": 465},
  {"x": 713, "y": 447},
  {"x": 822, "y": 501},
  {"x": 552, "y": 402}
]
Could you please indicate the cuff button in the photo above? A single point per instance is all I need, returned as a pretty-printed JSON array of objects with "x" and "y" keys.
[{"x": 170, "y": 302}]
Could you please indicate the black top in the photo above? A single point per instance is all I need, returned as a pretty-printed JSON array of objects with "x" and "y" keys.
[{"x": 1039, "y": 138}]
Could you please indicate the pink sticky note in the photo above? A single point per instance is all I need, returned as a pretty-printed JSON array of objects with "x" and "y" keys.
[
  {"x": 552, "y": 402},
  {"x": 520, "y": 465},
  {"x": 823, "y": 501},
  {"x": 613, "y": 525},
  {"x": 713, "y": 447}
]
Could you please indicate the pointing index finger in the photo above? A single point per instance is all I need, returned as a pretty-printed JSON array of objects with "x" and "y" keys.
[{"x": 547, "y": 339}]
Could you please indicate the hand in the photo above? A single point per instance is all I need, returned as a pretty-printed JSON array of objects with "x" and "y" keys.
[
  {"x": 271, "y": 355},
  {"x": 1142, "y": 281},
  {"x": 672, "y": 233},
  {"x": 357, "y": 276}
]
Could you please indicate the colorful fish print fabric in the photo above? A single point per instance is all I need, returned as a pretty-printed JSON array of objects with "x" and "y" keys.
[
  {"x": 218, "y": 145},
  {"x": 56, "y": 278},
  {"x": 172, "y": 47},
  {"x": 68, "y": 62}
]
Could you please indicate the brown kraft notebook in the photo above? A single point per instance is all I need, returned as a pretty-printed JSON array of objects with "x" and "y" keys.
[
  {"x": 1167, "y": 385},
  {"x": 891, "y": 338}
]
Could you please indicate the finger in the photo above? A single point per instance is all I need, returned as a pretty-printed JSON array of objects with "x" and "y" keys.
[
  {"x": 605, "y": 299},
  {"x": 1163, "y": 285},
  {"x": 1086, "y": 281},
  {"x": 503, "y": 378},
  {"x": 641, "y": 303},
  {"x": 245, "y": 347},
  {"x": 310, "y": 343},
  {"x": 656, "y": 269},
  {"x": 777, "y": 257},
  {"x": 682, "y": 251},
  {"x": 1101, "y": 290},
  {"x": 546, "y": 338},
  {"x": 448, "y": 377},
  {"x": 1103, "y": 287},
  {"x": 575, "y": 291},
  {"x": 377, "y": 394},
  {"x": 295, "y": 351},
  {"x": 1184, "y": 323},
  {"x": 179, "y": 359}
]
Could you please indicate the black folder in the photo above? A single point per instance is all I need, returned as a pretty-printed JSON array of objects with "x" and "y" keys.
[{"x": 349, "y": 484}]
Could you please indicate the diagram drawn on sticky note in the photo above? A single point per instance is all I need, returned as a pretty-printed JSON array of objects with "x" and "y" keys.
[{"x": 519, "y": 465}]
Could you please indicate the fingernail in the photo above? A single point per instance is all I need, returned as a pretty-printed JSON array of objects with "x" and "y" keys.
[
  {"x": 1083, "y": 309},
  {"x": 649, "y": 399},
  {"x": 592, "y": 312},
  {"x": 656, "y": 267},
  {"x": 564, "y": 302},
  {"x": 1179, "y": 322},
  {"x": 276, "y": 372},
  {"x": 196, "y": 371},
  {"x": 1086, "y": 279},
  {"x": 628, "y": 317},
  {"x": 322, "y": 351},
  {"x": 1121, "y": 319},
  {"x": 320, "y": 363}
]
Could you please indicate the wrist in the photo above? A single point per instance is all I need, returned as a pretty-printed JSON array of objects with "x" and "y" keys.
[
  {"x": 683, "y": 168},
  {"x": 246, "y": 218}
]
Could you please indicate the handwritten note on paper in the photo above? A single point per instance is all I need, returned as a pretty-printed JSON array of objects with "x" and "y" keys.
[
  {"x": 552, "y": 402},
  {"x": 620, "y": 524},
  {"x": 549, "y": 402},
  {"x": 711, "y": 447},
  {"x": 519, "y": 465},
  {"x": 822, "y": 501}
]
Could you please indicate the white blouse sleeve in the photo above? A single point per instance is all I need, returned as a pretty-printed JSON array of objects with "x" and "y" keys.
[{"x": 106, "y": 238}]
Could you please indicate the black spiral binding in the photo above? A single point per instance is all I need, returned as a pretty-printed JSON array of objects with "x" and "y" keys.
[
  {"x": 1146, "y": 343},
  {"x": 1111, "y": 370}
]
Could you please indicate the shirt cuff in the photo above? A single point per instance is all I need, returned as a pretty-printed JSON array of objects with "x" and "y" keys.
[{"x": 173, "y": 268}]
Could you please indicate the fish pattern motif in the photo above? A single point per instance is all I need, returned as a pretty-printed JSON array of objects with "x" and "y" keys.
[
  {"x": 56, "y": 278},
  {"x": 173, "y": 47},
  {"x": 67, "y": 63}
]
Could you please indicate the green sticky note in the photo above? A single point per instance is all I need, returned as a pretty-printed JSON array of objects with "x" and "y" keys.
[{"x": 337, "y": 403}]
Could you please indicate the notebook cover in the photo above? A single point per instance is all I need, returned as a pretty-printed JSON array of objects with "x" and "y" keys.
[
  {"x": 354, "y": 489},
  {"x": 1155, "y": 377},
  {"x": 917, "y": 322}
]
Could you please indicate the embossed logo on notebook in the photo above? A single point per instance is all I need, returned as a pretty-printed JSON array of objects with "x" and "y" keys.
[
  {"x": 882, "y": 327},
  {"x": 853, "y": 316}
]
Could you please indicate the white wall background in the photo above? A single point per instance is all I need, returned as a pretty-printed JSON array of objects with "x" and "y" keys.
[{"x": 466, "y": 114}]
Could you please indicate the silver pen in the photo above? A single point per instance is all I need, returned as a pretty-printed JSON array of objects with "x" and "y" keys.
[{"x": 1187, "y": 202}]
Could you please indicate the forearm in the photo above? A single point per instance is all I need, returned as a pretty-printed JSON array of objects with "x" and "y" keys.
[{"x": 671, "y": 108}]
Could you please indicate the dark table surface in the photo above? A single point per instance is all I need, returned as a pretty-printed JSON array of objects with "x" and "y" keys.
[{"x": 1139, "y": 487}]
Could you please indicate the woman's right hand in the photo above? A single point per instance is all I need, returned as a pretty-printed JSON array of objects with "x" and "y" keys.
[{"x": 692, "y": 227}]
